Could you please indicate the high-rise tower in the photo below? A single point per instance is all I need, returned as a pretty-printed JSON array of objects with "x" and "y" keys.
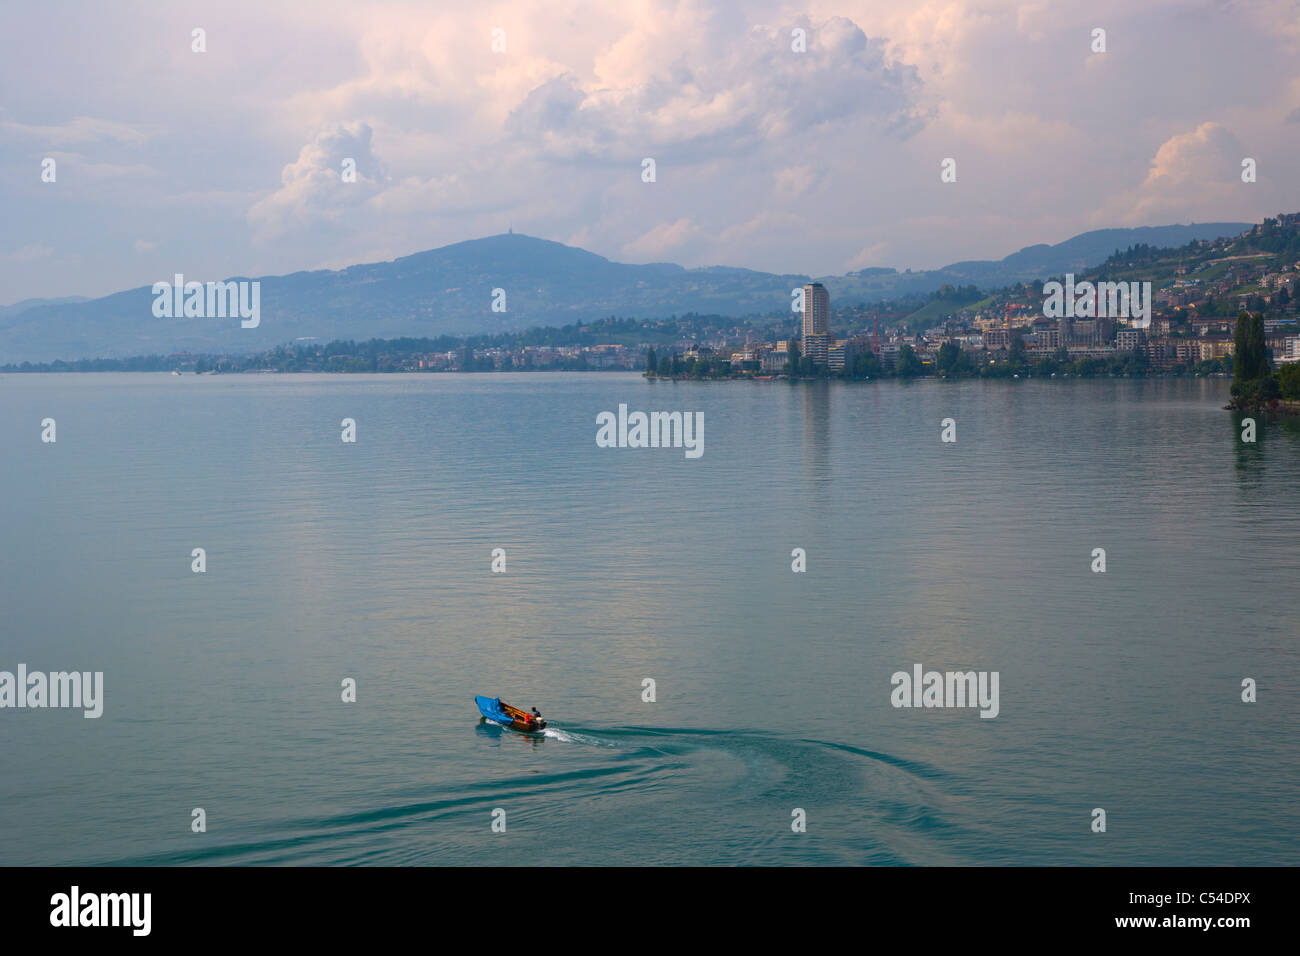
[
  {"x": 816, "y": 309},
  {"x": 816, "y": 322}
]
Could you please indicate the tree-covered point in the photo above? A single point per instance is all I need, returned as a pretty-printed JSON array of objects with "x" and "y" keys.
[{"x": 1253, "y": 381}]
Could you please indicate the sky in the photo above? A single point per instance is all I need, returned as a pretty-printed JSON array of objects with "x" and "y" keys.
[{"x": 228, "y": 162}]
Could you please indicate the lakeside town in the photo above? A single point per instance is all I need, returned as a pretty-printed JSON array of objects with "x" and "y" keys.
[
  {"x": 1194, "y": 296},
  {"x": 1190, "y": 326}
]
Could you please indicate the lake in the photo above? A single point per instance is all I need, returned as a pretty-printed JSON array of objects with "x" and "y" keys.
[{"x": 372, "y": 560}]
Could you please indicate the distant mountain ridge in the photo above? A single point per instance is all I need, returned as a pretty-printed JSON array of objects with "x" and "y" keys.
[
  {"x": 450, "y": 291},
  {"x": 1089, "y": 249},
  {"x": 26, "y": 304}
]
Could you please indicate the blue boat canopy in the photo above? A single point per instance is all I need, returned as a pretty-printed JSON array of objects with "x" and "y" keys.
[{"x": 491, "y": 709}]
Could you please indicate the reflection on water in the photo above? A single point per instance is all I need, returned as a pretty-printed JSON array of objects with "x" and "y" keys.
[
  {"x": 815, "y": 400},
  {"x": 1249, "y": 453},
  {"x": 371, "y": 561},
  {"x": 494, "y": 731}
]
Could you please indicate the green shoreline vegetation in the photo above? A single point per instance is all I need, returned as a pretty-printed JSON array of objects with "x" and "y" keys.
[{"x": 1254, "y": 383}]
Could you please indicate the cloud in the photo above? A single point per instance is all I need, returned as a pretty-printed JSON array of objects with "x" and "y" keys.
[
  {"x": 766, "y": 158},
  {"x": 1193, "y": 175},
  {"x": 312, "y": 188},
  {"x": 30, "y": 252},
  {"x": 794, "y": 181},
  {"x": 723, "y": 94},
  {"x": 1206, "y": 155},
  {"x": 872, "y": 255},
  {"x": 81, "y": 168},
  {"x": 663, "y": 240},
  {"x": 701, "y": 92},
  {"x": 79, "y": 129}
]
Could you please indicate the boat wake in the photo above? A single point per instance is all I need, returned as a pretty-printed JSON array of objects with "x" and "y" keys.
[
  {"x": 564, "y": 736},
  {"x": 631, "y": 795},
  {"x": 549, "y": 733}
]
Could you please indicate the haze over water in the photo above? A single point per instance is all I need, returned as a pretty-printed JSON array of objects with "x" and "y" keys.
[{"x": 327, "y": 560}]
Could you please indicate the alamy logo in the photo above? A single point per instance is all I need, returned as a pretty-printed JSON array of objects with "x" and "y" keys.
[
  {"x": 1102, "y": 300},
  {"x": 102, "y": 909},
  {"x": 56, "y": 689},
  {"x": 212, "y": 300},
  {"x": 950, "y": 689},
  {"x": 653, "y": 430}
]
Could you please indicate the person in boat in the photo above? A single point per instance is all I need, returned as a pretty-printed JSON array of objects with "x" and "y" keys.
[{"x": 537, "y": 713}]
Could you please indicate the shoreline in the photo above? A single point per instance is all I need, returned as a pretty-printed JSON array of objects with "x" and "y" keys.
[
  {"x": 1281, "y": 406},
  {"x": 778, "y": 377}
]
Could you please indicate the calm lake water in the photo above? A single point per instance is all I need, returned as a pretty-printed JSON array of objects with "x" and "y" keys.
[{"x": 371, "y": 560}]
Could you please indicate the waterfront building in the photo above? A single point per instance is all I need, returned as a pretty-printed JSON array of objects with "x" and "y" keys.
[
  {"x": 1157, "y": 352},
  {"x": 816, "y": 322},
  {"x": 1127, "y": 340},
  {"x": 749, "y": 358},
  {"x": 841, "y": 354},
  {"x": 1047, "y": 339},
  {"x": 816, "y": 348},
  {"x": 1091, "y": 333},
  {"x": 1212, "y": 348},
  {"x": 997, "y": 339},
  {"x": 816, "y": 309}
]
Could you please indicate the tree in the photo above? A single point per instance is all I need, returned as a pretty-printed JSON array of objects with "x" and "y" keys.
[
  {"x": 792, "y": 363},
  {"x": 1288, "y": 381},
  {"x": 1017, "y": 354},
  {"x": 1249, "y": 348},
  {"x": 651, "y": 366},
  {"x": 949, "y": 356},
  {"x": 867, "y": 366},
  {"x": 1268, "y": 389},
  {"x": 908, "y": 364},
  {"x": 1253, "y": 382}
]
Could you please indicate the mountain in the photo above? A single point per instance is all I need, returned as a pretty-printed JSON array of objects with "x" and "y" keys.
[
  {"x": 1042, "y": 261},
  {"x": 450, "y": 291},
  {"x": 26, "y": 304},
  {"x": 1086, "y": 250}
]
